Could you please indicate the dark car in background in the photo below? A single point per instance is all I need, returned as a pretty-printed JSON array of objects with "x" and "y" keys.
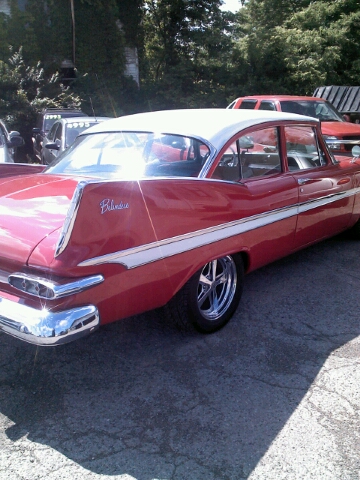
[
  {"x": 63, "y": 133},
  {"x": 45, "y": 121},
  {"x": 9, "y": 141}
]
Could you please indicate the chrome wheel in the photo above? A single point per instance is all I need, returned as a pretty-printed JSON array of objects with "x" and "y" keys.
[
  {"x": 217, "y": 287},
  {"x": 209, "y": 299}
]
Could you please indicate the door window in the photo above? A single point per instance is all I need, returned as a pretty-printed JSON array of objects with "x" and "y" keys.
[
  {"x": 302, "y": 149},
  {"x": 58, "y": 133},
  {"x": 2, "y": 135},
  {"x": 251, "y": 156},
  {"x": 267, "y": 105},
  {"x": 51, "y": 134},
  {"x": 248, "y": 104}
]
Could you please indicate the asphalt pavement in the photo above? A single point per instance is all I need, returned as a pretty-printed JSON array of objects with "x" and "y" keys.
[{"x": 274, "y": 395}]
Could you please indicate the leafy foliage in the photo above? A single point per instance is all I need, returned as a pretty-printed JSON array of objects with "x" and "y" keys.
[
  {"x": 25, "y": 91},
  {"x": 295, "y": 46},
  {"x": 191, "y": 53},
  {"x": 186, "y": 46}
]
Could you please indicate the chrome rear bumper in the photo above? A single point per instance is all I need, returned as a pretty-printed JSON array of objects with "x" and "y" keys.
[{"x": 46, "y": 328}]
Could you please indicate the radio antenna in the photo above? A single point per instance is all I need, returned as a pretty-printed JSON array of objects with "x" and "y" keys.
[{"x": 92, "y": 107}]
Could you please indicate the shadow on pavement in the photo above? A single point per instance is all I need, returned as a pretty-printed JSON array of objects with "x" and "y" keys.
[{"x": 143, "y": 399}]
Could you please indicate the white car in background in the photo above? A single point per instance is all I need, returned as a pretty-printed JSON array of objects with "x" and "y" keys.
[
  {"x": 63, "y": 133},
  {"x": 9, "y": 141}
]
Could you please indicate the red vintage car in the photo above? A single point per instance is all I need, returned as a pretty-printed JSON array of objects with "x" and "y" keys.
[
  {"x": 340, "y": 134},
  {"x": 119, "y": 225}
]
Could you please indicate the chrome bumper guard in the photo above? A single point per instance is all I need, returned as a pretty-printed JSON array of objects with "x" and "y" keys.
[{"x": 46, "y": 328}]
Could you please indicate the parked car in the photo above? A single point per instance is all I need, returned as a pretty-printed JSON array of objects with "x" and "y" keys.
[
  {"x": 117, "y": 225},
  {"x": 45, "y": 121},
  {"x": 63, "y": 133},
  {"x": 9, "y": 142},
  {"x": 340, "y": 134}
]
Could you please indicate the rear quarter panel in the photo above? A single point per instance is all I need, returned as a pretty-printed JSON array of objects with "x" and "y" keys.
[{"x": 118, "y": 216}]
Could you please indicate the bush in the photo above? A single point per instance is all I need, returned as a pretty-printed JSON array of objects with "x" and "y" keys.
[{"x": 25, "y": 92}]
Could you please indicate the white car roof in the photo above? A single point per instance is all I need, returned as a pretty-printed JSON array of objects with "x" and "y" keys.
[{"x": 215, "y": 125}]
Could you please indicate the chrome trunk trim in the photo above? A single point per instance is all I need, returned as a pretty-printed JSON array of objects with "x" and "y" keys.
[{"x": 44, "y": 327}]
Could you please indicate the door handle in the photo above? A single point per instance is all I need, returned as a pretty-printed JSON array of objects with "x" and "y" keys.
[{"x": 303, "y": 181}]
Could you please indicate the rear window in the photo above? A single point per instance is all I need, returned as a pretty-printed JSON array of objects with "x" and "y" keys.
[{"x": 132, "y": 155}]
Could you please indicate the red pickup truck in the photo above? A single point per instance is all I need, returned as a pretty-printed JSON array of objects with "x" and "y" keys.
[{"x": 340, "y": 134}]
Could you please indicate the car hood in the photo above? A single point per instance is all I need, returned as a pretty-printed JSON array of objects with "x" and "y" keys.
[
  {"x": 340, "y": 128},
  {"x": 32, "y": 207}
]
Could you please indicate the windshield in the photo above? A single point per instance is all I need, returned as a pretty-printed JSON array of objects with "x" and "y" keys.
[
  {"x": 132, "y": 155},
  {"x": 324, "y": 111}
]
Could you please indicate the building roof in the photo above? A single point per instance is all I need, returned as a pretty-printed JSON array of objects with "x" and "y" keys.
[{"x": 345, "y": 99}]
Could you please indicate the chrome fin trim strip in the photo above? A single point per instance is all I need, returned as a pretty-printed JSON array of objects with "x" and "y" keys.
[
  {"x": 321, "y": 202},
  {"x": 65, "y": 233},
  {"x": 135, "y": 257},
  {"x": 152, "y": 252}
]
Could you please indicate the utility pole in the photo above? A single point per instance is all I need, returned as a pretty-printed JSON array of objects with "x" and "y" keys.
[{"x": 73, "y": 30}]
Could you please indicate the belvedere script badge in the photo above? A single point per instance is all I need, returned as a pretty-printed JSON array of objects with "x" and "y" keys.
[{"x": 107, "y": 205}]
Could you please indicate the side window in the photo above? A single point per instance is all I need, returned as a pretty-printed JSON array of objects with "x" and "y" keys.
[
  {"x": 248, "y": 104},
  {"x": 58, "y": 133},
  {"x": 267, "y": 105},
  {"x": 251, "y": 156},
  {"x": 2, "y": 135},
  {"x": 302, "y": 149},
  {"x": 51, "y": 134}
]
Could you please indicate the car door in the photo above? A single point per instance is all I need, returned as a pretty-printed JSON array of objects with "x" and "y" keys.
[
  {"x": 270, "y": 203},
  {"x": 324, "y": 187},
  {"x": 54, "y": 139}
]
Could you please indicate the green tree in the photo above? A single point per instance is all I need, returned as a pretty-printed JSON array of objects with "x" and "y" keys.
[
  {"x": 321, "y": 45},
  {"x": 187, "y": 46},
  {"x": 294, "y": 46},
  {"x": 25, "y": 91},
  {"x": 93, "y": 38}
]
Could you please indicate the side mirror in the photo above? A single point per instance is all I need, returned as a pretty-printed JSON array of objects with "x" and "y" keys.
[
  {"x": 15, "y": 141},
  {"x": 178, "y": 144},
  {"x": 14, "y": 133},
  {"x": 346, "y": 117},
  {"x": 52, "y": 146},
  {"x": 356, "y": 151},
  {"x": 246, "y": 142}
]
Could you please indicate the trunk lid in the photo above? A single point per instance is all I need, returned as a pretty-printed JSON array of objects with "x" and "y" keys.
[{"x": 31, "y": 208}]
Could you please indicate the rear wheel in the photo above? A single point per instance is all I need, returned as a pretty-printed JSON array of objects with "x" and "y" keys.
[{"x": 209, "y": 299}]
